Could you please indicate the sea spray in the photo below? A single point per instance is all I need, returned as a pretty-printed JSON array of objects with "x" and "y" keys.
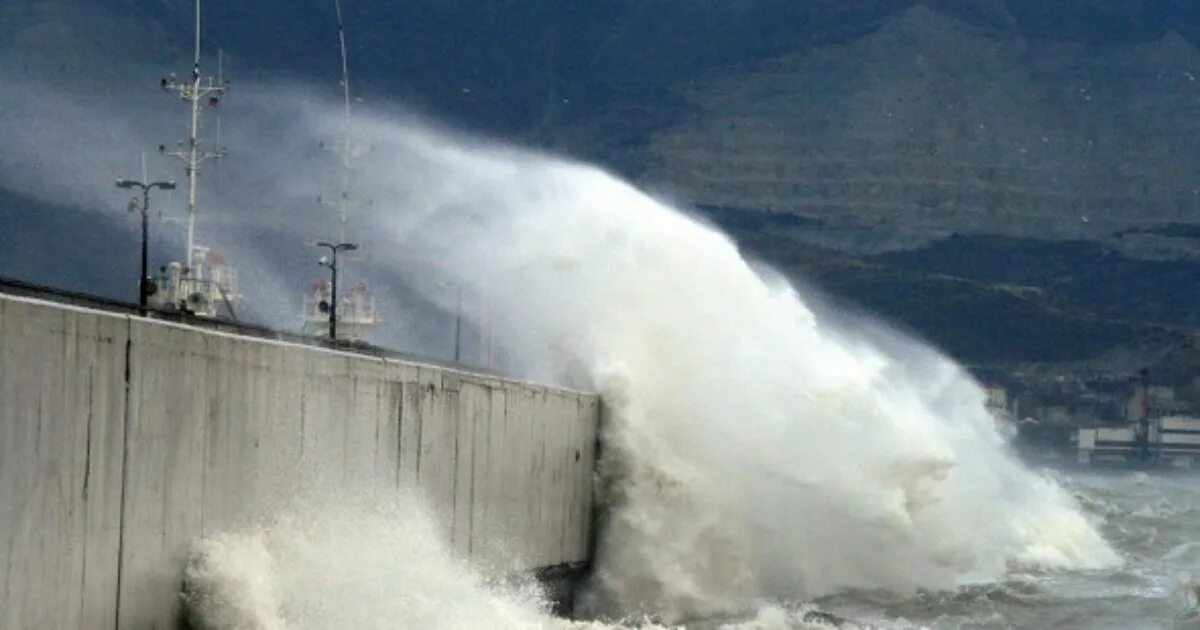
[
  {"x": 366, "y": 562},
  {"x": 373, "y": 560},
  {"x": 753, "y": 448}
]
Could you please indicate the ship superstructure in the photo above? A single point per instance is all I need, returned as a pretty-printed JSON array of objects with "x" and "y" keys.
[
  {"x": 203, "y": 281},
  {"x": 356, "y": 310}
]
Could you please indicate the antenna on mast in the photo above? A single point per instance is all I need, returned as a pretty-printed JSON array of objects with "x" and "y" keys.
[
  {"x": 357, "y": 314},
  {"x": 346, "y": 148},
  {"x": 220, "y": 81},
  {"x": 341, "y": 25},
  {"x": 204, "y": 277},
  {"x": 192, "y": 154},
  {"x": 196, "y": 58}
]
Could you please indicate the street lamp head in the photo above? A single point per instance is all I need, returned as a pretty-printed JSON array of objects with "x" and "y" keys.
[
  {"x": 166, "y": 185},
  {"x": 126, "y": 183},
  {"x": 349, "y": 247}
]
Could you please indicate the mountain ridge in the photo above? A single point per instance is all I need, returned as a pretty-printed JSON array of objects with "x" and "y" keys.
[{"x": 748, "y": 109}]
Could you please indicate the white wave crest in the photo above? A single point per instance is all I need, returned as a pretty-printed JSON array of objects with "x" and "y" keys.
[{"x": 753, "y": 448}]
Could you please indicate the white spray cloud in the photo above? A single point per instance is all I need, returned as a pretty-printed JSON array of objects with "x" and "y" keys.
[
  {"x": 66, "y": 143},
  {"x": 752, "y": 449},
  {"x": 374, "y": 561},
  {"x": 357, "y": 563}
]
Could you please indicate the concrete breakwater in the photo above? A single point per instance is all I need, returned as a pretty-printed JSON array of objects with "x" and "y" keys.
[{"x": 122, "y": 439}]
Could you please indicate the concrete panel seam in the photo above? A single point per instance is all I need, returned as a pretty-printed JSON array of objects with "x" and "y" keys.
[{"x": 124, "y": 467}]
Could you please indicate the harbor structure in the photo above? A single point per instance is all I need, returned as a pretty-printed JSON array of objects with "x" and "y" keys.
[
  {"x": 203, "y": 280},
  {"x": 1154, "y": 434},
  {"x": 352, "y": 315}
]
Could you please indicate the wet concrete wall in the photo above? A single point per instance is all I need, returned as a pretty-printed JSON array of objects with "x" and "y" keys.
[{"x": 122, "y": 439}]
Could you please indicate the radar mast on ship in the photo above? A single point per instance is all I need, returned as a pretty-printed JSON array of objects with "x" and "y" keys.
[
  {"x": 355, "y": 309},
  {"x": 203, "y": 280}
]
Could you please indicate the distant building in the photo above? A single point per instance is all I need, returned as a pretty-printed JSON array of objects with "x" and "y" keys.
[
  {"x": 996, "y": 396},
  {"x": 1107, "y": 444},
  {"x": 1160, "y": 394},
  {"x": 1057, "y": 414},
  {"x": 1171, "y": 441},
  {"x": 1179, "y": 439},
  {"x": 1138, "y": 406},
  {"x": 1155, "y": 400}
]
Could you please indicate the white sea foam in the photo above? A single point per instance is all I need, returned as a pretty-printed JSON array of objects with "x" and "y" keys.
[
  {"x": 755, "y": 449},
  {"x": 373, "y": 562},
  {"x": 364, "y": 564}
]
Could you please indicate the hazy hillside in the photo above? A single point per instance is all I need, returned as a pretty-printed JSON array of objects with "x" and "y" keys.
[
  {"x": 1010, "y": 178},
  {"x": 930, "y": 126}
]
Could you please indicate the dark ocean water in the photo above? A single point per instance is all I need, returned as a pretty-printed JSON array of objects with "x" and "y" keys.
[{"x": 1152, "y": 519}]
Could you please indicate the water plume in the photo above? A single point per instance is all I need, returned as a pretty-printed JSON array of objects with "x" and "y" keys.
[
  {"x": 364, "y": 562},
  {"x": 753, "y": 447}
]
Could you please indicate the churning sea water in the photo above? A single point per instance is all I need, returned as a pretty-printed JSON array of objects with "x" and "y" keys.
[
  {"x": 1152, "y": 520},
  {"x": 384, "y": 566},
  {"x": 761, "y": 455}
]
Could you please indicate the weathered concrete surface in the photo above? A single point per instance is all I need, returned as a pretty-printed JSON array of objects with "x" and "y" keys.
[
  {"x": 62, "y": 403},
  {"x": 102, "y": 490}
]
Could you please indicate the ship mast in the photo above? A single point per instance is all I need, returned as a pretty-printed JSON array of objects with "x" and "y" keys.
[
  {"x": 346, "y": 151},
  {"x": 194, "y": 92},
  {"x": 356, "y": 314}
]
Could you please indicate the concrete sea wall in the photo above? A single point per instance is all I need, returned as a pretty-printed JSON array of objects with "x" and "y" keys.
[{"x": 122, "y": 439}]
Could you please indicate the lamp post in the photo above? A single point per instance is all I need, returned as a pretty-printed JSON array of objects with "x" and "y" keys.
[
  {"x": 458, "y": 325},
  {"x": 332, "y": 264},
  {"x": 144, "y": 284},
  {"x": 458, "y": 293},
  {"x": 1143, "y": 426}
]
